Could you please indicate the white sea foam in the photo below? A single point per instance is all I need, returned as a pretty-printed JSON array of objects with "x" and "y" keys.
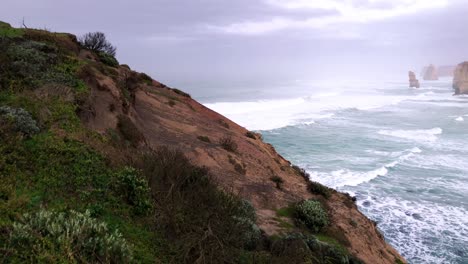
[
  {"x": 411, "y": 227},
  {"x": 272, "y": 114},
  {"x": 346, "y": 177},
  {"x": 421, "y": 135},
  {"x": 459, "y": 119}
]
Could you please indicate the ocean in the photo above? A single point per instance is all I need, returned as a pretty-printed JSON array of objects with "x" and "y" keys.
[{"x": 402, "y": 152}]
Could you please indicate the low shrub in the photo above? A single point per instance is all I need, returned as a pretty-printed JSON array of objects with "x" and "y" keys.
[
  {"x": 278, "y": 181},
  {"x": 63, "y": 237},
  {"x": 302, "y": 248},
  {"x": 129, "y": 131},
  {"x": 6, "y": 31},
  {"x": 228, "y": 144},
  {"x": 135, "y": 190},
  {"x": 204, "y": 139},
  {"x": 146, "y": 78},
  {"x": 311, "y": 214},
  {"x": 223, "y": 123},
  {"x": 22, "y": 120},
  {"x": 108, "y": 59},
  {"x": 250, "y": 134},
  {"x": 318, "y": 188},
  {"x": 171, "y": 103},
  {"x": 206, "y": 224},
  {"x": 300, "y": 171},
  {"x": 177, "y": 91}
]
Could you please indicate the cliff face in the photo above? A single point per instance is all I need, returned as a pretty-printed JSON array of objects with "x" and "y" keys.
[
  {"x": 430, "y": 73},
  {"x": 460, "y": 79},
  {"x": 413, "y": 82},
  {"x": 248, "y": 171},
  {"x": 162, "y": 116}
]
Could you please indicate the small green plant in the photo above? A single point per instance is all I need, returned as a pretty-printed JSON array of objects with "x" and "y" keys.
[
  {"x": 311, "y": 214},
  {"x": 108, "y": 59},
  {"x": 6, "y": 31},
  {"x": 317, "y": 188},
  {"x": 278, "y": 181},
  {"x": 250, "y": 134},
  {"x": 135, "y": 190},
  {"x": 228, "y": 144},
  {"x": 22, "y": 120},
  {"x": 146, "y": 78},
  {"x": 177, "y": 91},
  {"x": 204, "y": 139},
  {"x": 62, "y": 237}
]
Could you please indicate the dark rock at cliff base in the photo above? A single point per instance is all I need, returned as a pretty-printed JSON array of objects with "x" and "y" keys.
[
  {"x": 430, "y": 73},
  {"x": 460, "y": 78},
  {"x": 413, "y": 82}
]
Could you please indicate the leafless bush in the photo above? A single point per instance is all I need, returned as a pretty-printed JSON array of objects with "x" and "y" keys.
[{"x": 97, "y": 41}]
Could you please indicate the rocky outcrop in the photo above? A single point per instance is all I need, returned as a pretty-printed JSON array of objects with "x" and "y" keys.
[
  {"x": 413, "y": 82},
  {"x": 460, "y": 78},
  {"x": 430, "y": 73}
]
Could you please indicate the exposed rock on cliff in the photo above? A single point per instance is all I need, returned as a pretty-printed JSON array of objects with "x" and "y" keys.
[
  {"x": 460, "y": 79},
  {"x": 413, "y": 82},
  {"x": 430, "y": 73}
]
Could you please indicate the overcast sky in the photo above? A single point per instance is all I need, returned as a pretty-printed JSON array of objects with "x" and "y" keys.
[{"x": 186, "y": 43}]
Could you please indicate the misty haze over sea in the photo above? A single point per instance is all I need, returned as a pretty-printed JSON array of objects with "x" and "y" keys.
[{"x": 401, "y": 151}]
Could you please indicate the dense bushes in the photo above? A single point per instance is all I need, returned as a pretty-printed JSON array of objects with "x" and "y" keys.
[
  {"x": 135, "y": 190},
  {"x": 301, "y": 248},
  {"x": 108, "y": 59},
  {"x": 206, "y": 224},
  {"x": 60, "y": 237},
  {"x": 311, "y": 214},
  {"x": 22, "y": 120}
]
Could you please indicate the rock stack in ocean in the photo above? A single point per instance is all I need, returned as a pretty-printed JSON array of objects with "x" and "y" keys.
[
  {"x": 430, "y": 73},
  {"x": 413, "y": 82},
  {"x": 460, "y": 78}
]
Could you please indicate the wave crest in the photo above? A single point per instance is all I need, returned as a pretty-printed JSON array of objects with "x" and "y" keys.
[{"x": 421, "y": 135}]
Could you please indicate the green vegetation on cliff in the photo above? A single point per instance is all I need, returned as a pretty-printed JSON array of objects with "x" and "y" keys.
[{"x": 71, "y": 195}]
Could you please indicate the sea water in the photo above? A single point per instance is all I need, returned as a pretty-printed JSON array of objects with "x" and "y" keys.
[{"x": 402, "y": 152}]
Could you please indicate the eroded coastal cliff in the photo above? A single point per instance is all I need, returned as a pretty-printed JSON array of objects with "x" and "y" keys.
[
  {"x": 460, "y": 78},
  {"x": 95, "y": 126}
]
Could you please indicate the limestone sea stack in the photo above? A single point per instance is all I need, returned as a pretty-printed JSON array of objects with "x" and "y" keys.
[
  {"x": 430, "y": 73},
  {"x": 413, "y": 82},
  {"x": 460, "y": 78}
]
